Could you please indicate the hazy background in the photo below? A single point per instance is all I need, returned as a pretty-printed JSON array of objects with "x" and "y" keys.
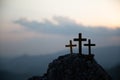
[{"x": 34, "y": 32}]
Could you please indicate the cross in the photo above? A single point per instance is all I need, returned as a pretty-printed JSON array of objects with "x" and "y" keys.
[
  {"x": 89, "y": 46},
  {"x": 80, "y": 39},
  {"x": 71, "y": 45}
]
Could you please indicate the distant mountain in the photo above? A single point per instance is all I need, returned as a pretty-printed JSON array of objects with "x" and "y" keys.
[
  {"x": 37, "y": 64},
  {"x": 107, "y": 56},
  {"x": 33, "y": 65},
  {"x": 5, "y": 75},
  {"x": 115, "y": 72}
]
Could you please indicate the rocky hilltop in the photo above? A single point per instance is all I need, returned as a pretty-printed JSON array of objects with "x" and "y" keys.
[{"x": 74, "y": 67}]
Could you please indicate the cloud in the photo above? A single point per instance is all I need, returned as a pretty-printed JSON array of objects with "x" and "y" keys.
[
  {"x": 66, "y": 26},
  {"x": 47, "y": 37},
  {"x": 14, "y": 32},
  {"x": 69, "y": 28}
]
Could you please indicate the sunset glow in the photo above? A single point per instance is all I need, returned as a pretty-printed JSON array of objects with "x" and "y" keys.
[
  {"x": 38, "y": 24},
  {"x": 88, "y": 12}
]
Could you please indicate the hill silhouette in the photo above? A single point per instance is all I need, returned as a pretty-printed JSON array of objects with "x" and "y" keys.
[
  {"x": 37, "y": 65},
  {"x": 85, "y": 64},
  {"x": 74, "y": 67}
]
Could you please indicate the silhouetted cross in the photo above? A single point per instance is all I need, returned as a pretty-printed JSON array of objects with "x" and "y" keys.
[
  {"x": 89, "y": 46},
  {"x": 80, "y": 39},
  {"x": 71, "y": 45}
]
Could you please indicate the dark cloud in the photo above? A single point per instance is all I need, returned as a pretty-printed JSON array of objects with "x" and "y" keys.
[
  {"x": 67, "y": 26},
  {"x": 101, "y": 35}
]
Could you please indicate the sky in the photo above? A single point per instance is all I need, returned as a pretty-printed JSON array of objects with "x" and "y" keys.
[{"x": 45, "y": 26}]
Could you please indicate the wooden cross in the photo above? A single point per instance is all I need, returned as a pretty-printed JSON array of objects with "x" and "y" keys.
[
  {"x": 80, "y": 39},
  {"x": 89, "y": 46},
  {"x": 71, "y": 45}
]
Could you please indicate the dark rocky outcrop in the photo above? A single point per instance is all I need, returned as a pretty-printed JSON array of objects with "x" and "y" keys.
[{"x": 74, "y": 67}]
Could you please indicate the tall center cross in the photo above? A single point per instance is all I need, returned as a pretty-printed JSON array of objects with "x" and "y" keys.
[
  {"x": 71, "y": 45},
  {"x": 80, "y": 39},
  {"x": 89, "y": 46}
]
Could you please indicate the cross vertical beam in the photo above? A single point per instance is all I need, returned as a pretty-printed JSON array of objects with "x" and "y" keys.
[
  {"x": 89, "y": 46},
  {"x": 80, "y": 39},
  {"x": 71, "y": 45}
]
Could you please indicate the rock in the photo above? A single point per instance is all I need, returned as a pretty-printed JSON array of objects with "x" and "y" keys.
[{"x": 75, "y": 67}]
